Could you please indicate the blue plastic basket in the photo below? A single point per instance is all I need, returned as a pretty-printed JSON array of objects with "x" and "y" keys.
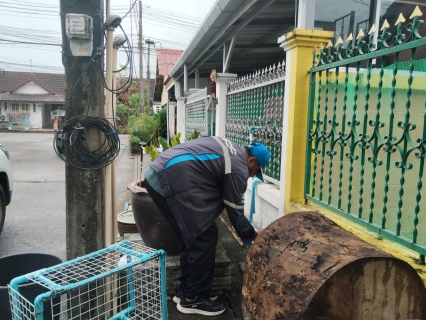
[{"x": 123, "y": 281}]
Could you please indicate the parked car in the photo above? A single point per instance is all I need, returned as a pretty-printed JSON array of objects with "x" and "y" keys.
[{"x": 6, "y": 183}]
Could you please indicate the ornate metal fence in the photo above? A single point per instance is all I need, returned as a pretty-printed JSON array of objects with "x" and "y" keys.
[
  {"x": 17, "y": 120},
  {"x": 367, "y": 129},
  {"x": 200, "y": 112},
  {"x": 258, "y": 100}
]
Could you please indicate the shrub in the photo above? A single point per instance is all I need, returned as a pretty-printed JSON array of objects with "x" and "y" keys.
[
  {"x": 133, "y": 139},
  {"x": 152, "y": 151},
  {"x": 145, "y": 127},
  {"x": 162, "y": 118},
  {"x": 142, "y": 133}
]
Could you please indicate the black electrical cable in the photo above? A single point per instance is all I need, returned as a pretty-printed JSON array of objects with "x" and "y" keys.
[
  {"x": 129, "y": 10},
  {"x": 129, "y": 62},
  {"x": 71, "y": 142}
]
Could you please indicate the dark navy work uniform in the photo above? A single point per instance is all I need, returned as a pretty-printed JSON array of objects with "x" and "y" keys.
[{"x": 191, "y": 184}]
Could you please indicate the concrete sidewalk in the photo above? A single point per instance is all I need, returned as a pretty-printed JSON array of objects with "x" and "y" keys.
[{"x": 236, "y": 254}]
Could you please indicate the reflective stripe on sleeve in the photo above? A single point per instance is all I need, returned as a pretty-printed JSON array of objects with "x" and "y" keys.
[
  {"x": 232, "y": 205},
  {"x": 225, "y": 155}
]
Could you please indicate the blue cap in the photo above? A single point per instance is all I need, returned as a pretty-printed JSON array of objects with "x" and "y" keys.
[{"x": 262, "y": 156}]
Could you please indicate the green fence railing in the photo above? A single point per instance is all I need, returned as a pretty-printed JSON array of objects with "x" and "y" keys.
[
  {"x": 367, "y": 132},
  {"x": 258, "y": 100},
  {"x": 200, "y": 112}
]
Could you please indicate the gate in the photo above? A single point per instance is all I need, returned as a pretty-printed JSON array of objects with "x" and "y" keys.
[
  {"x": 367, "y": 131},
  {"x": 257, "y": 100},
  {"x": 200, "y": 112}
]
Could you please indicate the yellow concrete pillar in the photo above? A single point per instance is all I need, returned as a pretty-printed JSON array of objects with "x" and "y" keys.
[{"x": 298, "y": 45}]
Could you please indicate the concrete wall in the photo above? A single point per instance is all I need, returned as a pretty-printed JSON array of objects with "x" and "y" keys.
[{"x": 267, "y": 203}]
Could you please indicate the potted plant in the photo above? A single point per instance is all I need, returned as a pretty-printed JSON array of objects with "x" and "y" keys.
[
  {"x": 134, "y": 144},
  {"x": 141, "y": 130}
]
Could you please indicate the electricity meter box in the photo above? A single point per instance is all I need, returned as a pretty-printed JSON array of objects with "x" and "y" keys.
[{"x": 79, "y": 29}]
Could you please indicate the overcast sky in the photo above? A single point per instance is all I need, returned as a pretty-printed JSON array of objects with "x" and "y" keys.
[{"x": 170, "y": 23}]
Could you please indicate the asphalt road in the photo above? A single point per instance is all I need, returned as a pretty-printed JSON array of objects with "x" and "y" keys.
[{"x": 35, "y": 219}]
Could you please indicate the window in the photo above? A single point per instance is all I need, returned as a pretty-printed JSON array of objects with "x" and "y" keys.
[
  {"x": 343, "y": 17},
  {"x": 14, "y": 107},
  {"x": 34, "y": 107},
  {"x": 25, "y": 107}
]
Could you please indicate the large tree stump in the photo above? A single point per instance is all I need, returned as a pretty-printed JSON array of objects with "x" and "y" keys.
[{"x": 304, "y": 266}]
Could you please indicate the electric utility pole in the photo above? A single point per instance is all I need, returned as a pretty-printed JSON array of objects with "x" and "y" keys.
[
  {"x": 141, "y": 96},
  {"x": 85, "y": 200},
  {"x": 148, "y": 42}
]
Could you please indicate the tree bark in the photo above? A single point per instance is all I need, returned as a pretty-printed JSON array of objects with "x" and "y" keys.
[{"x": 304, "y": 266}]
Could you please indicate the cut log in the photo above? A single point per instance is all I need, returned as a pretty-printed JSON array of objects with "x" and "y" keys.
[{"x": 304, "y": 266}]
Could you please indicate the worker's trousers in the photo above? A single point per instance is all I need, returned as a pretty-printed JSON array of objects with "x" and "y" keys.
[{"x": 197, "y": 258}]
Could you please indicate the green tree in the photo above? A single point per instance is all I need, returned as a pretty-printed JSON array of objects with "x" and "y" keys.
[
  {"x": 162, "y": 118},
  {"x": 129, "y": 110}
]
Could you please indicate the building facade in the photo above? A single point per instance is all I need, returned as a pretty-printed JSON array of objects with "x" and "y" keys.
[{"x": 31, "y": 100}]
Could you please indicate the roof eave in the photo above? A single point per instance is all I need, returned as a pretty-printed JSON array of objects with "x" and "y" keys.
[{"x": 214, "y": 14}]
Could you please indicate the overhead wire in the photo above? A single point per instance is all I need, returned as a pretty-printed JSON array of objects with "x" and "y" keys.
[{"x": 43, "y": 39}]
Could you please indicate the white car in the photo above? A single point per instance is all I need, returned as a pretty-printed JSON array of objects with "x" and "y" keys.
[{"x": 6, "y": 183}]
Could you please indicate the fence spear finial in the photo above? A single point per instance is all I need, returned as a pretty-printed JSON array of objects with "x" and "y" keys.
[
  {"x": 372, "y": 29},
  {"x": 329, "y": 44},
  {"x": 350, "y": 38},
  {"x": 339, "y": 41},
  {"x": 360, "y": 34},
  {"x": 416, "y": 13},
  {"x": 401, "y": 19},
  {"x": 385, "y": 25}
]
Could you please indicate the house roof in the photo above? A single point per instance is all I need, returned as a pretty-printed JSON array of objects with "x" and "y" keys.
[
  {"x": 51, "y": 82},
  {"x": 42, "y": 98},
  {"x": 166, "y": 59},
  {"x": 256, "y": 25}
]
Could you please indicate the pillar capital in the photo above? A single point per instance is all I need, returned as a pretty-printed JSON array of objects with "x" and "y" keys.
[
  {"x": 304, "y": 38},
  {"x": 226, "y": 77},
  {"x": 180, "y": 99}
]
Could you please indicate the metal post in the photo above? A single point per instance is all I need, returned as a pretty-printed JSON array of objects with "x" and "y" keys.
[
  {"x": 185, "y": 79},
  {"x": 109, "y": 233},
  {"x": 197, "y": 78},
  {"x": 167, "y": 118},
  {"x": 141, "y": 95},
  {"x": 148, "y": 42},
  {"x": 148, "y": 82}
]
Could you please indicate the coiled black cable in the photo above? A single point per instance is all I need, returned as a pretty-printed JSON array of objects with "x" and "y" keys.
[{"x": 72, "y": 142}]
